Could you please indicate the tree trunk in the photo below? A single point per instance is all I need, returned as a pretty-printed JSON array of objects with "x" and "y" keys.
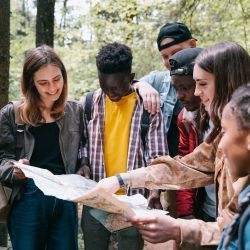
[
  {"x": 45, "y": 22},
  {"x": 4, "y": 51},
  {"x": 4, "y": 76}
]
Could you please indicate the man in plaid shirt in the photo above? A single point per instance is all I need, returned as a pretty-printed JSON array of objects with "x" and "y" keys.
[{"x": 115, "y": 142}]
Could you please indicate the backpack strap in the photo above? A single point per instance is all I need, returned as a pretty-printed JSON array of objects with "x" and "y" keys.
[
  {"x": 88, "y": 105},
  {"x": 144, "y": 126},
  {"x": 20, "y": 129}
]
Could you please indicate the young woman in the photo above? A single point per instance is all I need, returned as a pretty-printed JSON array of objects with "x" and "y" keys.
[
  {"x": 218, "y": 71},
  {"x": 235, "y": 143},
  {"x": 52, "y": 137}
]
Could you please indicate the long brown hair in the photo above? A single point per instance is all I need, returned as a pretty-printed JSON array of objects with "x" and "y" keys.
[
  {"x": 35, "y": 59},
  {"x": 230, "y": 65}
]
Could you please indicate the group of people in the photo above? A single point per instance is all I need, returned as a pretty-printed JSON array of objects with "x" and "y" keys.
[{"x": 124, "y": 136}]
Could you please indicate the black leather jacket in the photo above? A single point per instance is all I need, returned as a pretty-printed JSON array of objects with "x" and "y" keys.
[{"x": 70, "y": 140}]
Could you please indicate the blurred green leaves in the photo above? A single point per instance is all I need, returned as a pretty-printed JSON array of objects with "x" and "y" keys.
[{"x": 80, "y": 32}]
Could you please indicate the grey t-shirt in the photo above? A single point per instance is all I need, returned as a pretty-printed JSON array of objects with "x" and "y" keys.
[{"x": 209, "y": 205}]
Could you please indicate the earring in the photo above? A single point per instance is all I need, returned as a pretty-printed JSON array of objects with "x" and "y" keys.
[{"x": 248, "y": 147}]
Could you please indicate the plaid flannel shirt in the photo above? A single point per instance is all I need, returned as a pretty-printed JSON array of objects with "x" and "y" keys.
[{"x": 156, "y": 144}]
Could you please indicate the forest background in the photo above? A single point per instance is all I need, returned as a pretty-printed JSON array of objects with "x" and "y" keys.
[
  {"x": 81, "y": 27},
  {"x": 78, "y": 28}
]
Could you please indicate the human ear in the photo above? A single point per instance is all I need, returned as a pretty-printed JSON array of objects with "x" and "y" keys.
[{"x": 192, "y": 43}]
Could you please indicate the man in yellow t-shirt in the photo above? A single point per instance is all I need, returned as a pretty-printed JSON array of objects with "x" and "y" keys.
[{"x": 115, "y": 143}]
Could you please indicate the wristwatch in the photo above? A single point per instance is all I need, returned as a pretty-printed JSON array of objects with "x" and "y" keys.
[{"x": 120, "y": 180}]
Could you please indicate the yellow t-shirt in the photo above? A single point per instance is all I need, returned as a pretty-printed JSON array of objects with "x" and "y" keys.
[{"x": 118, "y": 117}]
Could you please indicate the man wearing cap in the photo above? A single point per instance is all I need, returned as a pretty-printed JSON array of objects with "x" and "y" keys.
[
  {"x": 181, "y": 72},
  {"x": 172, "y": 38}
]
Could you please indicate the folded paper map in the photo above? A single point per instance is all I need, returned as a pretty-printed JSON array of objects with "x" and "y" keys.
[{"x": 76, "y": 188}]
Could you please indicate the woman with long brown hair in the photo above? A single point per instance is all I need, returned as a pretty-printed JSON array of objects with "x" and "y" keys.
[{"x": 52, "y": 128}]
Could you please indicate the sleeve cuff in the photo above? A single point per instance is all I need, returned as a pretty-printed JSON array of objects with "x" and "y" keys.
[
  {"x": 196, "y": 233},
  {"x": 137, "y": 178}
]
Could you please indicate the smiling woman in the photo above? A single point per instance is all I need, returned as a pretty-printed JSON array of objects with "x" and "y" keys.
[
  {"x": 43, "y": 71},
  {"x": 53, "y": 133},
  {"x": 218, "y": 71},
  {"x": 205, "y": 86},
  {"x": 49, "y": 84}
]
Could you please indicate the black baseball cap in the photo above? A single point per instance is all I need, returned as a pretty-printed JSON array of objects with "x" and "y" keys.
[
  {"x": 182, "y": 62},
  {"x": 178, "y": 31}
]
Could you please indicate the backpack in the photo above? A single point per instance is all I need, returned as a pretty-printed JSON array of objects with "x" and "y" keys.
[
  {"x": 5, "y": 192},
  {"x": 144, "y": 119}
]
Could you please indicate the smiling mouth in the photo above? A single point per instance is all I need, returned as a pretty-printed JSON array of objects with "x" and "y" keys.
[{"x": 53, "y": 93}]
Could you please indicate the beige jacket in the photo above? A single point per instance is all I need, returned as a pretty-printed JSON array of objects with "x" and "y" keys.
[{"x": 205, "y": 165}]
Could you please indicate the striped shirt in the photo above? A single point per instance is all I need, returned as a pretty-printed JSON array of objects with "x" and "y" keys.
[{"x": 156, "y": 144}]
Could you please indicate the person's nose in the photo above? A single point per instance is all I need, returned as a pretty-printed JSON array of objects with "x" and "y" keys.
[
  {"x": 180, "y": 95},
  {"x": 52, "y": 87},
  {"x": 197, "y": 91}
]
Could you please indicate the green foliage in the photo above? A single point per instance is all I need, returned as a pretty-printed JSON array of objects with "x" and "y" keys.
[
  {"x": 22, "y": 32},
  {"x": 214, "y": 21},
  {"x": 80, "y": 32}
]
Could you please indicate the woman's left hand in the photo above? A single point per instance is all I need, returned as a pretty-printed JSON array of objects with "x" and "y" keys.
[{"x": 18, "y": 172}]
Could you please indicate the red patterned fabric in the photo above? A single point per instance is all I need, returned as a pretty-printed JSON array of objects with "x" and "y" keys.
[{"x": 188, "y": 141}]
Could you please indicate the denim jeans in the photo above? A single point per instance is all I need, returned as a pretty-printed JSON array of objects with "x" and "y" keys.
[
  {"x": 97, "y": 237},
  {"x": 39, "y": 222}
]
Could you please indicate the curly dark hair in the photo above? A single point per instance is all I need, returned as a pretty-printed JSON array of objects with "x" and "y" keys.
[
  {"x": 239, "y": 106},
  {"x": 114, "y": 58}
]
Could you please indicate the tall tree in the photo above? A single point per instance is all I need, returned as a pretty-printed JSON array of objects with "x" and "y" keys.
[
  {"x": 4, "y": 75},
  {"x": 4, "y": 51},
  {"x": 45, "y": 22}
]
